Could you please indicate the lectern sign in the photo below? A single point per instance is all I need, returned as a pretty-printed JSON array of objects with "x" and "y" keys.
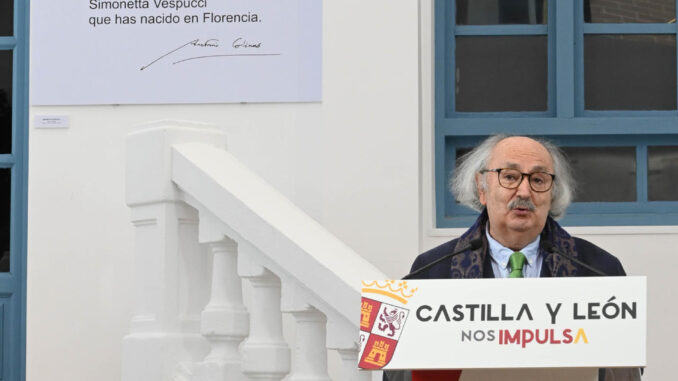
[{"x": 503, "y": 323}]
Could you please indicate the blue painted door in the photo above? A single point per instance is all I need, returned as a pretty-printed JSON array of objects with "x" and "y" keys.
[{"x": 13, "y": 185}]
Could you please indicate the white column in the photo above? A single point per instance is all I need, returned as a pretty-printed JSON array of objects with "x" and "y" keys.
[
  {"x": 310, "y": 352},
  {"x": 164, "y": 329},
  {"x": 225, "y": 321},
  {"x": 266, "y": 355},
  {"x": 343, "y": 336},
  {"x": 349, "y": 365},
  {"x": 170, "y": 281}
]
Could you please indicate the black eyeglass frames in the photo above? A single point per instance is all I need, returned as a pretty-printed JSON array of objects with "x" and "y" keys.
[{"x": 512, "y": 178}]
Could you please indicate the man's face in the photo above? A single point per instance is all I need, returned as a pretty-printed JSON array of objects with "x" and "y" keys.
[{"x": 512, "y": 224}]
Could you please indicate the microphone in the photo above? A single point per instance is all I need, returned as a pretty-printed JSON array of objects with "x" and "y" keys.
[
  {"x": 473, "y": 245},
  {"x": 548, "y": 246}
]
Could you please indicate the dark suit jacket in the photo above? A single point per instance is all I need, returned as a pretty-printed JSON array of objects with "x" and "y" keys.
[{"x": 586, "y": 252}]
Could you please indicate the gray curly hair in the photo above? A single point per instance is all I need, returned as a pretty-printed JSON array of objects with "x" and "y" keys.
[{"x": 463, "y": 184}]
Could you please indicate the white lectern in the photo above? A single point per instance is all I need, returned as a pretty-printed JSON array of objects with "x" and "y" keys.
[{"x": 504, "y": 329}]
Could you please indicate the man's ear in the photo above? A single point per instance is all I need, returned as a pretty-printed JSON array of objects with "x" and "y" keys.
[{"x": 481, "y": 190}]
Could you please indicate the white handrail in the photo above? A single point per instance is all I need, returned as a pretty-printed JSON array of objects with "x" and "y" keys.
[{"x": 276, "y": 227}]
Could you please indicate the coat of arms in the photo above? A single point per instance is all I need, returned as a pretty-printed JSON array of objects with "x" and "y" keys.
[{"x": 381, "y": 324}]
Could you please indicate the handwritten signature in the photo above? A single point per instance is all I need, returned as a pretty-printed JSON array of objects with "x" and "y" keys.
[
  {"x": 211, "y": 43},
  {"x": 242, "y": 43},
  {"x": 238, "y": 43}
]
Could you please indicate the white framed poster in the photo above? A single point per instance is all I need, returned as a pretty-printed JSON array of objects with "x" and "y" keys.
[{"x": 175, "y": 51}]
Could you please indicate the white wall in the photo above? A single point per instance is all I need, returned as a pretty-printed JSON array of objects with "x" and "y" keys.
[{"x": 350, "y": 162}]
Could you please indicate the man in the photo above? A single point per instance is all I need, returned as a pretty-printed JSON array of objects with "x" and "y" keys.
[{"x": 520, "y": 185}]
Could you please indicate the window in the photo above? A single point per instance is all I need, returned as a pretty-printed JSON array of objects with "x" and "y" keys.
[{"x": 596, "y": 77}]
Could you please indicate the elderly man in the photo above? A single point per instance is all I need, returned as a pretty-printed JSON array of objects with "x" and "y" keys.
[{"x": 520, "y": 185}]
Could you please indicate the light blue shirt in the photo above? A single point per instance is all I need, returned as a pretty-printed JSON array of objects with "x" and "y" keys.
[{"x": 500, "y": 257}]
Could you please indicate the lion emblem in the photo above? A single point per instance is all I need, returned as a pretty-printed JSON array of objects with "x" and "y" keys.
[{"x": 391, "y": 320}]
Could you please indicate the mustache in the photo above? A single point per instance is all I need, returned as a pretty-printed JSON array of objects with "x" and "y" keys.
[{"x": 523, "y": 204}]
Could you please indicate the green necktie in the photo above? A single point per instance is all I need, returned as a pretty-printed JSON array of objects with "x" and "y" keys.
[{"x": 516, "y": 262}]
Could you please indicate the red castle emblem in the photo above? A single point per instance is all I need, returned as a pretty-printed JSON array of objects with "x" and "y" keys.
[{"x": 381, "y": 324}]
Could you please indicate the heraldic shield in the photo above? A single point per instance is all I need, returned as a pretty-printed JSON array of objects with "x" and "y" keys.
[{"x": 381, "y": 325}]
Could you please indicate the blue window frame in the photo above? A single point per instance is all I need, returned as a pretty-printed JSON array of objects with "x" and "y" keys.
[
  {"x": 13, "y": 166},
  {"x": 566, "y": 119}
]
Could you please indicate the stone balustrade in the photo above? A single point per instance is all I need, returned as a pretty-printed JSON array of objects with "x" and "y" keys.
[{"x": 220, "y": 257}]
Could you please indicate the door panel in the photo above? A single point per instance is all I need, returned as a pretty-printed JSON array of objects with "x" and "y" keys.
[{"x": 13, "y": 186}]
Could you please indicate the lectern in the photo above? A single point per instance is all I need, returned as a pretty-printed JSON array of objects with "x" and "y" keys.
[{"x": 503, "y": 329}]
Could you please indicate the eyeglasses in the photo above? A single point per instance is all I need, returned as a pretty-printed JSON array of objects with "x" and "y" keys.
[{"x": 512, "y": 178}]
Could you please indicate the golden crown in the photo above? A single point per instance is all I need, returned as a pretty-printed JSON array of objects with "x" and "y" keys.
[{"x": 398, "y": 291}]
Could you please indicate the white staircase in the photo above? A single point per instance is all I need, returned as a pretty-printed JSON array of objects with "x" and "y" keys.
[{"x": 204, "y": 224}]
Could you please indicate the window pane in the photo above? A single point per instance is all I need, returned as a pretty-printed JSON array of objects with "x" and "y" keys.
[
  {"x": 629, "y": 11},
  {"x": 5, "y": 101},
  {"x": 606, "y": 174},
  {"x": 662, "y": 173},
  {"x": 6, "y": 17},
  {"x": 5, "y": 191},
  {"x": 630, "y": 72},
  {"x": 501, "y": 73},
  {"x": 491, "y": 12},
  {"x": 459, "y": 153}
]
